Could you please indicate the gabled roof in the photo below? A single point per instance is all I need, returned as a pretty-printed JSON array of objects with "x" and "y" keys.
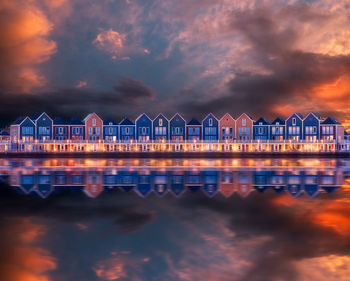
[
  {"x": 318, "y": 116},
  {"x": 161, "y": 115},
  {"x": 227, "y": 114},
  {"x": 39, "y": 114},
  {"x": 59, "y": 121},
  {"x": 19, "y": 120},
  {"x": 4, "y": 133},
  {"x": 330, "y": 121},
  {"x": 126, "y": 121},
  {"x": 143, "y": 114},
  {"x": 278, "y": 120},
  {"x": 209, "y": 115},
  {"x": 26, "y": 118},
  {"x": 109, "y": 121},
  {"x": 297, "y": 114},
  {"x": 177, "y": 114},
  {"x": 251, "y": 118},
  {"x": 75, "y": 121},
  {"x": 261, "y": 120},
  {"x": 89, "y": 115},
  {"x": 194, "y": 122}
]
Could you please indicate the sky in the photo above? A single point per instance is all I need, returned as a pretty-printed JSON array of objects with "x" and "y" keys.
[{"x": 124, "y": 57}]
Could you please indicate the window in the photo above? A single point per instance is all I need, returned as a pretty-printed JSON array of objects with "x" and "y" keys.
[
  {"x": 60, "y": 130},
  {"x": 94, "y": 122},
  {"x": 160, "y": 122},
  {"x": 110, "y": 130},
  {"x": 244, "y": 122},
  {"x": 294, "y": 121},
  {"x": 260, "y": 130},
  {"x": 90, "y": 131},
  {"x": 314, "y": 130},
  {"x": 127, "y": 130},
  {"x": 97, "y": 131},
  {"x": 273, "y": 130},
  {"x": 211, "y": 122}
]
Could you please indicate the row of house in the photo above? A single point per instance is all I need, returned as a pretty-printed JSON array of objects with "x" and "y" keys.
[{"x": 92, "y": 128}]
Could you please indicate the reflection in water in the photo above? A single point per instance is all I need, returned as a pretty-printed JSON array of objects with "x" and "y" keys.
[
  {"x": 169, "y": 232},
  {"x": 240, "y": 176}
]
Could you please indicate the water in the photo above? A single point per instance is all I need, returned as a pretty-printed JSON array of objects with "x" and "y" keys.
[{"x": 181, "y": 219}]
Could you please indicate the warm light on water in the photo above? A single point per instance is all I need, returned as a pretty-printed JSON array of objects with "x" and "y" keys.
[{"x": 175, "y": 219}]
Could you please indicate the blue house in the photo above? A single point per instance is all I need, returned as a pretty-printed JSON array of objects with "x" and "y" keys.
[
  {"x": 143, "y": 128},
  {"x": 311, "y": 127},
  {"x": 126, "y": 130},
  {"x": 160, "y": 128},
  {"x": 110, "y": 130},
  {"x": 25, "y": 129},
  {"x": 210, "y": 128},
  {"x": 194, "y": 130},
  {"x": 60, "y": 129},
  {"x": 44, "y": 125},
  {"x": 177, "y": 128},
  {"x": 261, "y": 129},
  {"x": 278, "y": 129},
  {"x": 294, "y": 126}
]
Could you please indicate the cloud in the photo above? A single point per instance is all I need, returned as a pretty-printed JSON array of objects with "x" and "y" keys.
[
  {"x": 81, "y": 84},
  {"x": 25, "y": 44}
]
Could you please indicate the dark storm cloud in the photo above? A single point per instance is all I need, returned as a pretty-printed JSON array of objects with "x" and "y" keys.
[
  {"x": 293, "y": 236},
  {"x": 290, "y": 74},
  {"x": 77, "y": 102}
]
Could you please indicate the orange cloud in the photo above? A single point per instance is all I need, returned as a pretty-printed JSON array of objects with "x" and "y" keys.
[
  {"x": 110, "y": 41},
  {"x": 25, "y": 45}
]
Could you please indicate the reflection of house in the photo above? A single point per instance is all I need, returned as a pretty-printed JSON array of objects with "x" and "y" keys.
[
  {"x": 93, "y": 185},
  {"x": 294, "y": 184},
  {"x": 311, "y": 183},
  {"x": 144, "y": 186},
  {"x": 127, "y": 180},
  {"x": 44, "y": 186},
  {"x": 160, "y": 182},
  {"x": 226, "y": 183},
  {"x": 193, "y": 180},
  {"x": 244, "y": 183},
  {"x": 261, "y": 180},
  {"x": 210, "y": 182},
  {"x": 177, "y": 183}
]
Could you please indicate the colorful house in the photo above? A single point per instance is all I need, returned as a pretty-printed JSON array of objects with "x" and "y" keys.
[
  {"x": 110, "y": 130},
  {"x": 23, "y": 129},
  {"x": 76, "y": 129},
  {"x": 261, "y": 129},
  {"x": 294, "y": 127},
  {"x": 160, "y": 128},
  {"x": 60, "y": 129},
  {"x": 143, "y": 128},
  {"x": 4, "y": 136},
  {"x": 278, "y": 129},
  {"x": 331, "y": 129},
  {"x": 126, "y": 130},
  {"x": 311, "y": 127},
  {"x": 193, "y": 130},
  {"x": 244, "y": 125},
  {"x": 227, "y": 127},
  {"x": 43, "y": 124},
  {"x": 177, "y": 128},
  {"x": 93, "y": 127},
  {"x": 210, "y": 128}
]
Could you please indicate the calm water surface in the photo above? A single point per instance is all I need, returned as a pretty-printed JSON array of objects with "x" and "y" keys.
[{"x": 180, "y": 219}]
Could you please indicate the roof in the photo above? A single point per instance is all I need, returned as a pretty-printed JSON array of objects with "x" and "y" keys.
[
  {"x": 89, "y": 115},
  {"x": 37, "y": 115},
  {"x": 59, "y": 121},
  {"x": 245, "y": 114},
  {"x": 4, "y": 133},
  {"x": 19, "y": 120},
  {"x": 126, "y": 121},
  {"x": 108, "y": 121},
  {"x": 330, "y": 121},
  {"x": 278, "y": 120},
  {"x": 75, "y": 121},
  {"x": 194, "y": 122},
  {"x": 261, "y": 120}
]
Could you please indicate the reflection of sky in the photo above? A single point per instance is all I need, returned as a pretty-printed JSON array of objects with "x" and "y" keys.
[{"x": 120, "y": 236}]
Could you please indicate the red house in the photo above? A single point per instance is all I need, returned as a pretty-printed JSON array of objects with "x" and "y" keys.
[
  {"x": 93, "y": 127},
  {"x": 244, "y": 124}
]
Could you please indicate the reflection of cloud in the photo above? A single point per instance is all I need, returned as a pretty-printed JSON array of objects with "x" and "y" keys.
[{"x": 21, "y": 259}]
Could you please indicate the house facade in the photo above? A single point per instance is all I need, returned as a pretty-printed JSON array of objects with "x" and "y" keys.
[
  {"x": 43, "y": 125},
  {"x": 227, "y": 127},
  {"x": 110, "y": 130},
  {"x": 244, "y": 125},
  {"x": 27, "y": 130},
  {"x": 210, "y": 128},
  {"x": 278, "y": 129},
  {"x": 177, "y": 128},
  {"x": 60, "y": 129},
  {"x": 331, "y": 130},
  {"x": 261, "y": 129},
  {"x": 160, "y": 128},
  {"x": 76, "y": 129},
  {"x": 93, "y": 127},
  {"x": 311, "y": 127},
  {"x": 294, "y": 127},
  {"x": 194, "y": 130},
  {"x": 143, "y": 128},
  {"x": 127, "y": 130}
]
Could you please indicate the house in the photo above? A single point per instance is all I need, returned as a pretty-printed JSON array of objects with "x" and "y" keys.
[
  {"x": 210, "y": 128},
  {"x": 227, "y": 183},
  {"x": 193, "y": 130},
  {"x": 227, "y": 127},
  {"x": 177, "y": 128},
  {"x": 93, "y": 127},
  {"x": 244, "y": 127},
  {"x": 311, "y": 127},
  {"x": 23, "y": 129},
  {"x": 160, "y": 128},
  {"x": 278, "y": 129},
  {"x": 126, "y": 130},
  {"x": 261, "y": 129},
  {"x": 294, "y": 127},
  {"x": 76, "y": 129},
  {"x": 4, "y": 136},
  {"x": 143, "y": 128},
  {"x": 110, "y": 130},
  {"x": 43, "y": 124},
  {"x": 331, "y": 129},
  {"x": 60, "y": 129}
]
